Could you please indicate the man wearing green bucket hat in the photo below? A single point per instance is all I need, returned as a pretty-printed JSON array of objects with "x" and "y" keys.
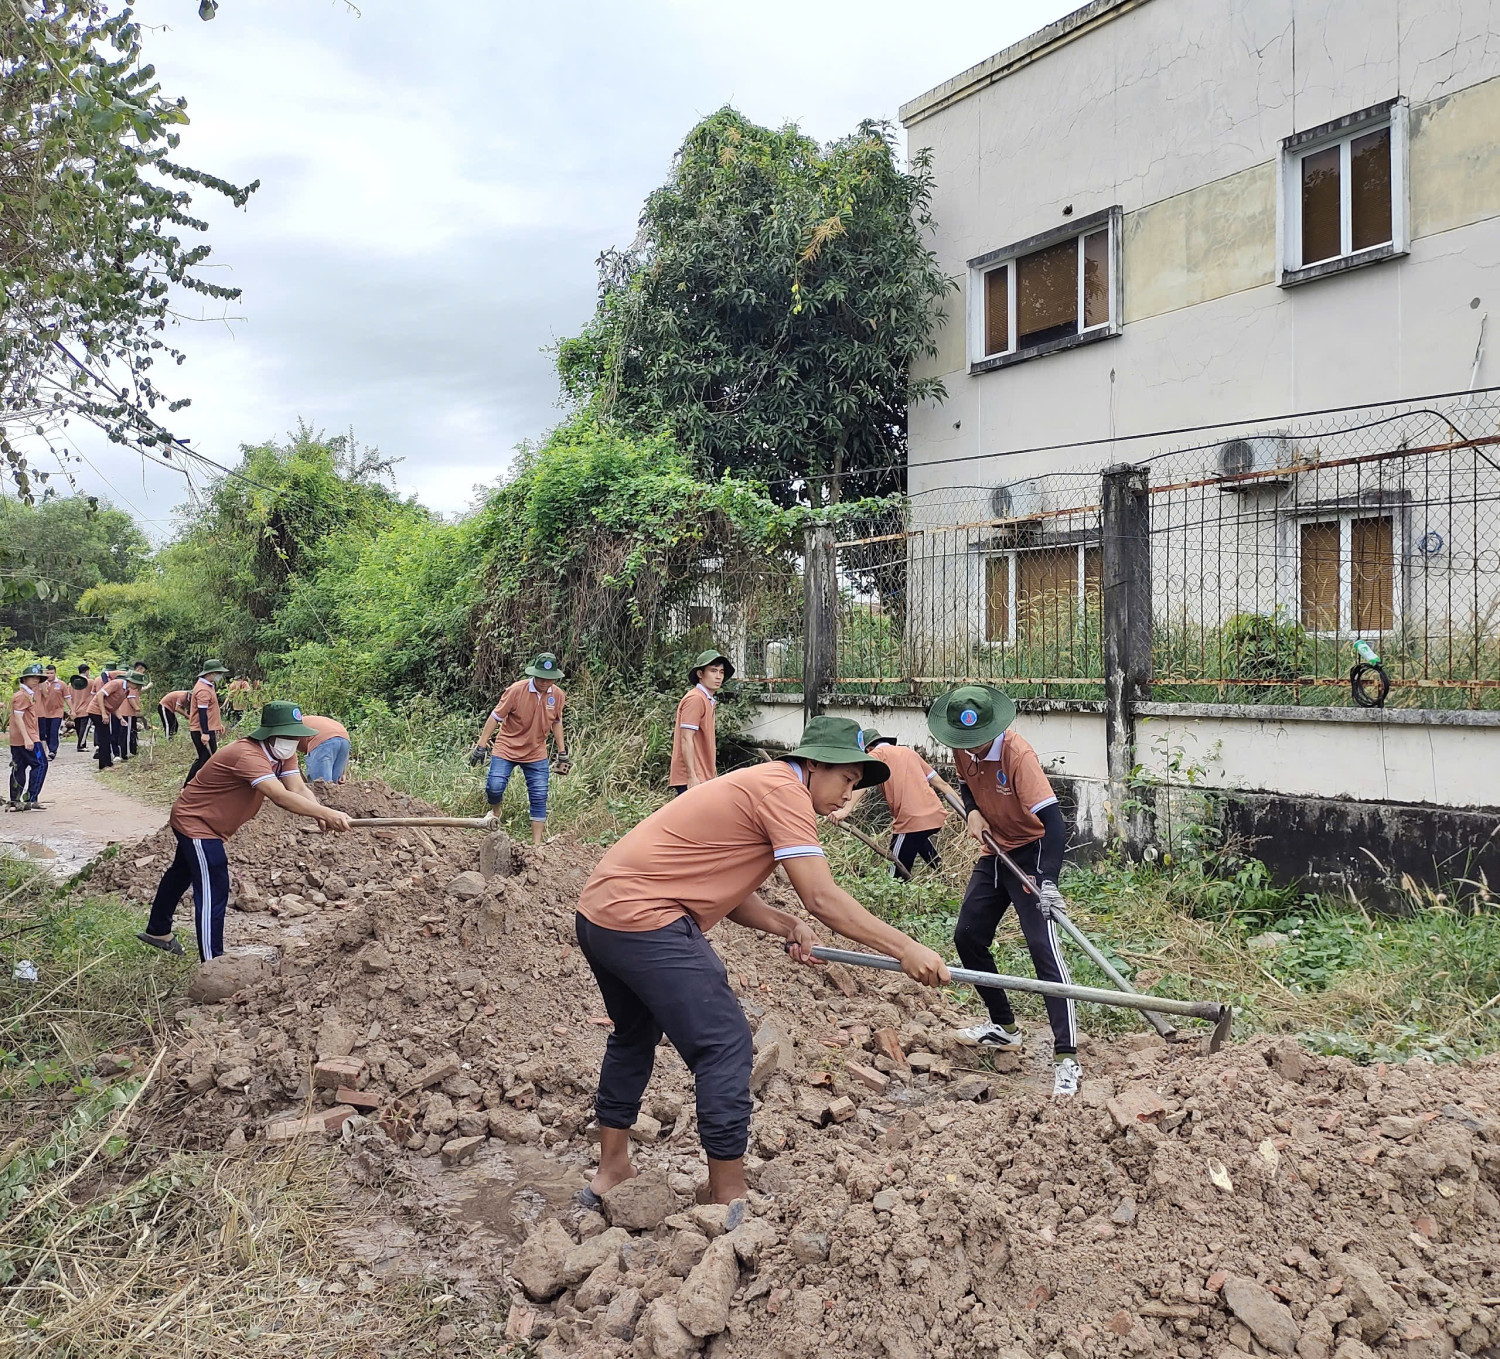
[
  {"x": 911, "y": 792},
  {"x": 226, "y": 793},
  {"x": 530, "y": 710},
  {"x": 644, "y": 913},
  {"x": 1007, "y": 796},
  {"x": 695, "y": 757},
  {"x": 28, "y": 756},
  {"x": 205, "y": 726}
]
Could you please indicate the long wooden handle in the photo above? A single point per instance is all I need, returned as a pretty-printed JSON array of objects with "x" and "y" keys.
[
  {"x": 465, "y": 822},
  {"x": 884, "y": 853}
]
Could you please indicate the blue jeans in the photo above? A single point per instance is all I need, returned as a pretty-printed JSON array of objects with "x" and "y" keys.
[
  {"x": 50, "y": 729},
  {"x": 536, "y": 783},
  {"x": 327, "y": 760}
]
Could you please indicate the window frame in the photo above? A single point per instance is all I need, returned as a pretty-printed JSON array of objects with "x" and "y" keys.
[
  {"x": 1392, "y": 508},
  {"x": 1108, "y": 219},
  {"x": 1341, "y": 132},
  {"x": 1082, "y": 545}
]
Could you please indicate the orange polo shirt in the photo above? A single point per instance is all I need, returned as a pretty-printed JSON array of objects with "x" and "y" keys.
[
  {"x": 112, "y": 699},
  {"x": 23, "y": 728},
  {"x": 96, "y": 686},
  {"x": 704, "y": 852},
  {"x": 176, "y": 701},
  {"x": 1009, "y": 789},
  {"x": 694, "y": 726},
  {"x": 226, "y": 792},
  {"x": 914, "y": 806},
  {"x": 204, "y": 695},
  {"x": 526, "y": 716},
  {"x": 326, "y": 727},
  {"x": 49, "y": 697}
]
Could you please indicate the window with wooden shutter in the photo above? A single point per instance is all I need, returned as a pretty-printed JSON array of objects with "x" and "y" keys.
[{"x": 1320, "y": 576}]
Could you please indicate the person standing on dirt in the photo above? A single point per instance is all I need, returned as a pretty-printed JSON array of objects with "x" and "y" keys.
[
  {"x": 171, "y": 707},
  {"x": 78, "y": 702},
  {"x": 110, "y": 742},
  {"x": 135, "y": 708},
  {"x": 51, "y": 708},
  {"x": 521, "y": 720},
  {"x": 28, "y": 756},
  {"x": 237, "y": 696},
  {"x": 912, "y": 794},
  {"x": 645, "y": 911},
  {"x": 205, "y": 726},
  {"x": 227, "y": 793},
  {"x": 95, "y": 710},
  {"x": 1007, "y": 795},
  {"x": 327, "y": 752},
  {"x": 695, "y": 757}
]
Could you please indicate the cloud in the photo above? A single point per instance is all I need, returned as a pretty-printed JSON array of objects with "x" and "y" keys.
[{"x": 437, "y": 180}]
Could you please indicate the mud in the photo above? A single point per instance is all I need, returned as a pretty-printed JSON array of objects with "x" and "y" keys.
[{"x": 1263, "y": 1201}]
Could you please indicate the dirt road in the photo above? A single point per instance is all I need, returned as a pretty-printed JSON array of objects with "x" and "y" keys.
[{"x": 81, "y": 814}]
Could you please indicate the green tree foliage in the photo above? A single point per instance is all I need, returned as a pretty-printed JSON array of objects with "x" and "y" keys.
[
  {"x": 771, "y": 308},
  {"x": 55, "y": 550},
  {"x": 92, "y": 220}
]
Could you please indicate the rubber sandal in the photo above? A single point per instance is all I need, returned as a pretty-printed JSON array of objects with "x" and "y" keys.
[
  {"x": 169, "y": 945},
  {"x": 586, "y": 1198}
]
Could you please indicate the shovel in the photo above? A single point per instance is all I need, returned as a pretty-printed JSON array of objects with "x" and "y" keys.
[
  {"x": 1162, "y": 1027},
  {"x": 864, "y": 839}
]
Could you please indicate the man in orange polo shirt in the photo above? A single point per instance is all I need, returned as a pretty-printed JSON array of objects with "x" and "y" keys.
[
  {"x": 645, "y": 910},
  {"x": 84, "y": 703},
  {"x": 28, "y": 757},
  {"x": 1007, "y": 795},
  {"x": 110, "y": 742},
  {"x": 328, "y": 752},
  {"x": 227, "y": 793},
  {"x": 695, "y": 755},
  {"x": 51, "y": 707},
  {"x": 530, "y": 710},
  {"x": 205, "y": 726},
  {"x": 172, "y": 707},
  {"x": 911, "y": 792}
]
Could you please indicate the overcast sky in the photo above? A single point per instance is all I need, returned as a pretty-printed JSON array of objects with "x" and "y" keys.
[{"x": 437, "y": 180}]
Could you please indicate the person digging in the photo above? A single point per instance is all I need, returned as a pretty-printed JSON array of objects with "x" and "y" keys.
[
  {"x": 205, "y": 725},
  {"x": 645, "y": 912},
  {"x": 911, "y": 792},
  {"x": 527, "y": 712},
  {"x": 1007, "y": 795},
  {"x": 694, "y": 747},
  {"x": 226, "y": 793}
]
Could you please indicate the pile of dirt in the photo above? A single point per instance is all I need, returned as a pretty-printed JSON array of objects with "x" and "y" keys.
[{"x": 440, "y": 1027}]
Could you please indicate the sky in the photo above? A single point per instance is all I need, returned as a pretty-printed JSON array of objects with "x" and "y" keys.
[{"x": 438, "y": 180}]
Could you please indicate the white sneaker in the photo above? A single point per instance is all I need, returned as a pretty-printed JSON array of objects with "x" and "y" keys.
[
  {"x": 991, "y": 1035},
  {"x": 1066, "y": 1078}
]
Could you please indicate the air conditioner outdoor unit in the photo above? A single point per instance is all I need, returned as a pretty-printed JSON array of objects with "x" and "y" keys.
[
  {"x": 1018, "y": 499},
  {"x": 1252, "y": 464}
]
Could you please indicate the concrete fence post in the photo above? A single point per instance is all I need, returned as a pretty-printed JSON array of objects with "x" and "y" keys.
[
  {"x": 820, "y": 619},
  {"x": 1126, "y": 570}
]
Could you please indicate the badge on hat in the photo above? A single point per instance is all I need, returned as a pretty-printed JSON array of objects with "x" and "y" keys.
[
  {"x": 968, "y": 717},
  {"x": 861, "y": 739},
  {"x": 546, "y": 665},
  {"x": 296, "y": 714}
]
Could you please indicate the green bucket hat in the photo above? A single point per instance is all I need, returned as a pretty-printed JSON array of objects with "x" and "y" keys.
[
  {"x": 838, "y": 740},
  {"x": 280, "y": 719},
  {"x": 873, "y": 738},
  {"x": 544, "y": 666},
  {"x": 130, "y": 677},
  {"x": 708, "y": 658},
  {"x": 213, "y": 668},
  {"x": 32, "y": 671},
  {"x": 970, "y": 716}
]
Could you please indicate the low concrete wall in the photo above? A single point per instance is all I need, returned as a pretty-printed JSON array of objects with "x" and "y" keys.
[{"x": 1340, "y": 798}]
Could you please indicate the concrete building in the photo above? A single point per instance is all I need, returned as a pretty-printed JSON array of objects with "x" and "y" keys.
[{"x": 1164, "y": 215}]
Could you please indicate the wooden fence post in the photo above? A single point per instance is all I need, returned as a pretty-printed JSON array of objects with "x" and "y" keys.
[
  {"x": 1127, "y": 638},
  {"x": 820, "y": 619}
]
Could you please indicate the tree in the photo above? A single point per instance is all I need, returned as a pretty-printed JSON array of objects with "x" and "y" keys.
[
  {"x": 770, "y": 308},
  {"x": 91, "y": 228},
  {"x": 57, "y": 549}
]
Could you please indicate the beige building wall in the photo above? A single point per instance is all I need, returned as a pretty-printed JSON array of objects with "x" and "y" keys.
[{"x": 1175, "y": 111}]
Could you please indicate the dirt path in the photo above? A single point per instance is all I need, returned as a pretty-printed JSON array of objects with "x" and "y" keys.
[{"x": 81, "y": 814}]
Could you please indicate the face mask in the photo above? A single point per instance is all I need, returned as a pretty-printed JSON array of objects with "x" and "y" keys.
[{"x": 284, "y": 747}]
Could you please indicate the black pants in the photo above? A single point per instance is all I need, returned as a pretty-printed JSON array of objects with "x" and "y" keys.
[
  {"x": 168, "y": 720},
  {"x": 81, "y": 725},
  {"x": 112, "y": 740},
  {"x": 133, "y": 734},
  {"x": 51, "y": 732},
  {"x": 203, "y": 866},
  {"x": 27, "y": 770},
  {"x": 910, "y": 846},
  {"x": 992, "y": 888},
  {"x": 670, "y": 980},
  {"x": 205, "y": 745}
]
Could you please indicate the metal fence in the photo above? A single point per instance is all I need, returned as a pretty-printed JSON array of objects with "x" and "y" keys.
[{"x": 1274, "y": 549}]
